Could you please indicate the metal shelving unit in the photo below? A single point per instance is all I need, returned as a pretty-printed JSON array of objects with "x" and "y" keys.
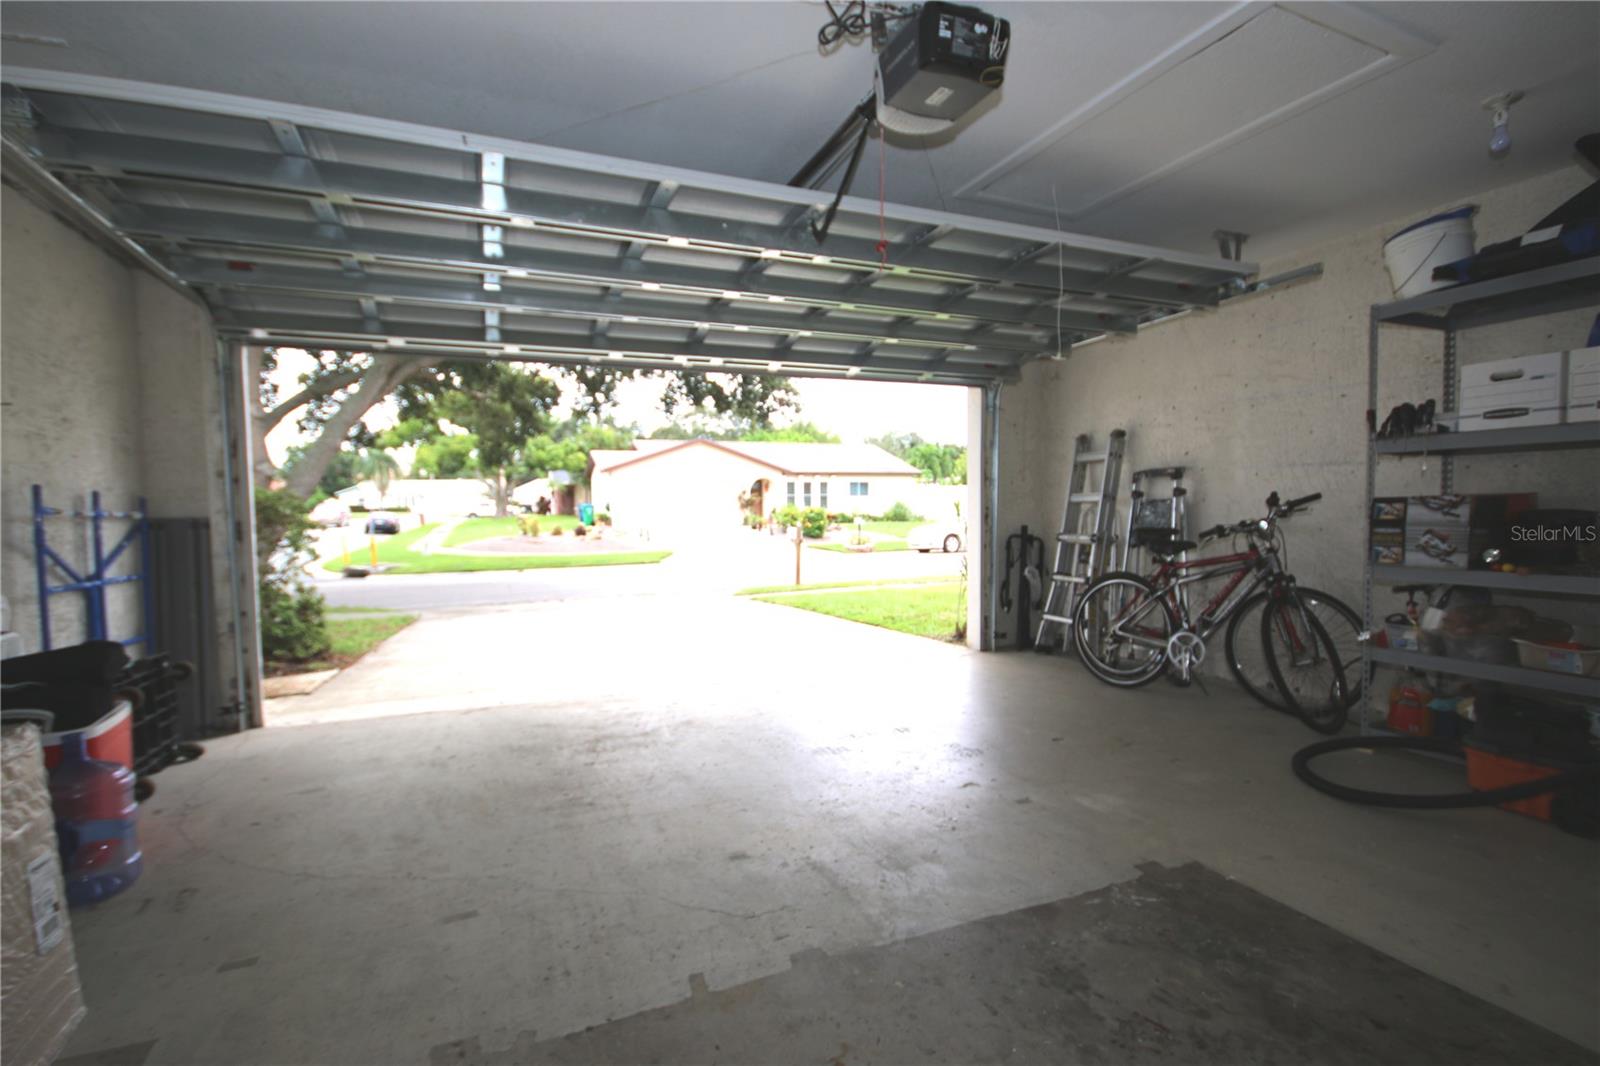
[{"x": 1565, "y": 287}]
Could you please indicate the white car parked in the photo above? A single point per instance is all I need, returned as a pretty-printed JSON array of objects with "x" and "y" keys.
[
  {"x": 938, "y": 536},
  {"x": 330, "y": 512}
]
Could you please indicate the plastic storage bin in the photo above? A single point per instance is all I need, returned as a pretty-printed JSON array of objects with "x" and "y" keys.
[
  {"x": 1489, "y": 767},
  {"x": 1412, "y": 253},
  {"x": 1563, "y": 658}
]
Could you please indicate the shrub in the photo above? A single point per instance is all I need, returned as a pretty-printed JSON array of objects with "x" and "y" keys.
[
  {"x": 788, "y": 517},
  {"x": 813, "y": 522},
  {"x": 901, "y": 513},
  {"x": 603, "y": 518},
  {"x": 579, "y": 530},
  {"x": 529, "y": 525},
  {"x": 841, "y": 519},
  {"x": 293, "y": 628},
  {"x": 556, "y": 532}
]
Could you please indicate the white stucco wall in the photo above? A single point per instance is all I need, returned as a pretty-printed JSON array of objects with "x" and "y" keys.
[
  {"x": 688, "y": 491},
  {"x": 1271, "y": 393},
  {"x": 109, "y": 380}
]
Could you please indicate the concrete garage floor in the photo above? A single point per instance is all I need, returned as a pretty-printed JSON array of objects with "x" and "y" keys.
[{"x": 721, "y": 830}]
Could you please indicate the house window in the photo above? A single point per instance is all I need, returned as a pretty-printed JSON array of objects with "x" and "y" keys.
[
  {"x": 791, "y": 494},
  {"x": 858, "y": 488},
  {"x": 822, "y": 495},
  {"x": 808, "y": 493}
]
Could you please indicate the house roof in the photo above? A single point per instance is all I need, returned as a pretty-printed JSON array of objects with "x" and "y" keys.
[
  {"x": 782, "y": 456},
  {"x": 794, "y": 458}
]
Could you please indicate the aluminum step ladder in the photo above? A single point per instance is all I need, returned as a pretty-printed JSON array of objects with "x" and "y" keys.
[{"x": 1086, "y": 540}]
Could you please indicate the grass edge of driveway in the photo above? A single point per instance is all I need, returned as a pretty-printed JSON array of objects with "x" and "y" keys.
[{"x": 927, "y": 610}]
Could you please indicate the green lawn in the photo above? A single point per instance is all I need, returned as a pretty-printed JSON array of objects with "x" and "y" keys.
[
  {"x": 892, "y": 529},
  {"x": 396, "y": 557},
  {"x": 393, "y": 549},
  {"x": 447, "y": 564},
  {"x": 877, "y": 546},
  {"x": 760, "y": 589},
  {"x": 923, "y": 610},
  {"x": 352, "y": 632},
  {"x": 486, "y": 528}
]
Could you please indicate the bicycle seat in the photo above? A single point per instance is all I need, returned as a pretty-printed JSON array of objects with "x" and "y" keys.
[{"x": 1170, "y": 547}]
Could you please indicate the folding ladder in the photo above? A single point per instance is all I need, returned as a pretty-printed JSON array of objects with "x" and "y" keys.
[{"x": 1085, "y": 542}]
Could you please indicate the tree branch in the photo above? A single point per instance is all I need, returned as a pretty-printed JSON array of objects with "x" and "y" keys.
[{"x": 313, "y": 391}]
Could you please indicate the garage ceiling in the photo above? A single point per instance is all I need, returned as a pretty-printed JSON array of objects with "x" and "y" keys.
[
  {"x": 310, "y": 227},
  {"x": 1150, "y": 122}
]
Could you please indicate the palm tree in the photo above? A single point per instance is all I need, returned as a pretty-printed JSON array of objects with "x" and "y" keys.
[{"x": 379, "y": 467}]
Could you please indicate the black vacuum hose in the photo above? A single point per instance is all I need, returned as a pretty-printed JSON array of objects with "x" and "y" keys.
[{"x": 1574, "y": 815}]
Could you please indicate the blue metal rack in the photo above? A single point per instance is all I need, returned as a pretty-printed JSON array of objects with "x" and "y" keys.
[{"x": 94, "y": 583}]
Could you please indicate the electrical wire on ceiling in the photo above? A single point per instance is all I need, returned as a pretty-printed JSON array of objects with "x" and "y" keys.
[
  {"x": 850, "y": 22},
  {"x": 853, "y": 21}
]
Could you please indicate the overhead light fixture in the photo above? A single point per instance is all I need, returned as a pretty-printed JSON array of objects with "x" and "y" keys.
[{"x": 1499, "y": 108}]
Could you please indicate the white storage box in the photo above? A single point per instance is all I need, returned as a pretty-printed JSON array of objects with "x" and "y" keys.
[
  {"x": 1525, "y": 390},
  {"x": 1583, "y": 385}
]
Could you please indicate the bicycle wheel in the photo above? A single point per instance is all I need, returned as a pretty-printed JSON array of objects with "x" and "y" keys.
[
  {"x": 1120, "y": 628},
  {"x": 1247, "y": 660},
  {"x": 1304, "y": 664}
]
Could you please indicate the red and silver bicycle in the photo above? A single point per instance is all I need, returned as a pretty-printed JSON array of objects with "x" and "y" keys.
[{"x": 1128, "y": 629}]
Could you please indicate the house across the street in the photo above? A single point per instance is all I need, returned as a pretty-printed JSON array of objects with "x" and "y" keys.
[
  {"x": 668, "y": 487},
  {"x": 429, "y": 497}
]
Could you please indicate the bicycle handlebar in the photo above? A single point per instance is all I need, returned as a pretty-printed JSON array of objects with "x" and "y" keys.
[{"x": 1295, "y": 505}]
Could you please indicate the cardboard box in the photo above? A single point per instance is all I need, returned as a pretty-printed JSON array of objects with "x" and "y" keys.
[
  {"x": 40, "y": 999},
  {"x": 1453, "y": 531},
  {"x": 1388, "y": 547},
  {"x": 1525, "y": 390},
  {"x": 1387, "y": 511},
  {"x": 1583, "y": 385}
]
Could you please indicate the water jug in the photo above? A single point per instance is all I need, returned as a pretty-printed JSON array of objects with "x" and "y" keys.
[{"x": 96, "y": 823}]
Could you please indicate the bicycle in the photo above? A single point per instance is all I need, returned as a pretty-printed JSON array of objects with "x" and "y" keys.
[{"x": 1128, "y": 629}]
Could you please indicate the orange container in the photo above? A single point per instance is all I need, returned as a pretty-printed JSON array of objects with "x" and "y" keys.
[
  {"x": 1489, "y": 770},
  {"x": 1408, "y": 710},
  {"x": 108, "y": 739}
]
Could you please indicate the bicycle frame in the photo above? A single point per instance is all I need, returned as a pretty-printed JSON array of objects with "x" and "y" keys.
[{"x": 1173, "y": 576}]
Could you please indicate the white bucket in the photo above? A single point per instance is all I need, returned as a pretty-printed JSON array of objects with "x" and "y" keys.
[{"x": 1412, "y": 253}]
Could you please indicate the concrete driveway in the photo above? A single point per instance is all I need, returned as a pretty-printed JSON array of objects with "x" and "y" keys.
[{"x": 564, "y": 642}]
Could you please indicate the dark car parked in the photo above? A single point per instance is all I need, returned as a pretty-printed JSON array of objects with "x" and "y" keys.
[{"x": 383, "y": 524}]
